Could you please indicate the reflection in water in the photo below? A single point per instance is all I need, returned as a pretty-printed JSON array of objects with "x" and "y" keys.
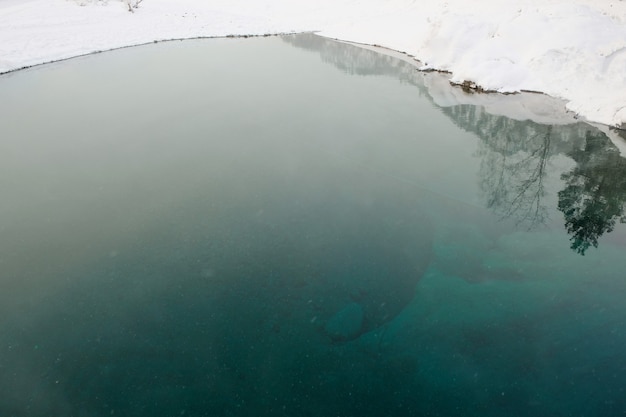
[
  {"x": 513, "y": 163},
  {"x": 513, "y": 171},
  {"x": 515, "y": 154},
  {"x": 593, "y": 199},
  {"x": 355, "y": 60},
  {"x": 519, "y": 189},
  {"x": 298, "y": 241}
]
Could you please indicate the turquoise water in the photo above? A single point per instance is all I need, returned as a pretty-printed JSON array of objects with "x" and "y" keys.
[{"x": 292, "y": 227}]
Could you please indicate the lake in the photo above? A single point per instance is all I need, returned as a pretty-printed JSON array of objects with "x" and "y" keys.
[{"x": 292, "y": 226}]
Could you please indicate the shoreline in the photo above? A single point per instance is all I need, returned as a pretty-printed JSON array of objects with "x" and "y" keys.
[
  {"x": 523, "y": 45},
  {"x": 616, "y": 134}
]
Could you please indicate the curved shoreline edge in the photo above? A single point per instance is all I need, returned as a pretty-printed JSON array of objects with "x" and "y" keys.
[
  {"x": 617, "y": 134},
  {"x": 574, "y": 51}
]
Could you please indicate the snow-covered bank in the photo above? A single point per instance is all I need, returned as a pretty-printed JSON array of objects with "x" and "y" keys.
[{"x": 575, "y": 50}]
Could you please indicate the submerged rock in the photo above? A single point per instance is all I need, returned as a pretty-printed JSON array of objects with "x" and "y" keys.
[{"x": 346, "y": 324}]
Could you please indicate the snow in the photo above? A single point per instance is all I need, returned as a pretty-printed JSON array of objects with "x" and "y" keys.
[{"x": 573, "y": 50}]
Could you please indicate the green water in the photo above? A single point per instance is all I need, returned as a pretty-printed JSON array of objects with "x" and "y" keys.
[{"x": 292, "y": 227}]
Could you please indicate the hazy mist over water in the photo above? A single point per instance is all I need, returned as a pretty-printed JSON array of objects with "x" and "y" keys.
[{"x": 234, "y": 227}]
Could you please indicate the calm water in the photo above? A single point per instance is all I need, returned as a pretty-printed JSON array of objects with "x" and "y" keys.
[{"x": 291, "y": 227}]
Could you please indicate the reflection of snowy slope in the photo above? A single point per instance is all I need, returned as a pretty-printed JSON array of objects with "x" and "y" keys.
[
  {"x": 354, "y": 59},
  {"x": 572, "y": 50},
  {"x": 520, "y": 135},
  {"x": 492, "y": 117},
  {"x": 508, "y": 135},
  {"x": 362, "y": 61}
]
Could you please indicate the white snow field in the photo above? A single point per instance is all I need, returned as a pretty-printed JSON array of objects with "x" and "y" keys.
[{"x": 574, "y": 50}]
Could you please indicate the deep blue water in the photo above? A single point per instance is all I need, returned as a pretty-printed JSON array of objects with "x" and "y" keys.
[{"x": 292, "y": 227}]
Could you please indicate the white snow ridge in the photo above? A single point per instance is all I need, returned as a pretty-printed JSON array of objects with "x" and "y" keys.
[{"x": 574, "y": 50}]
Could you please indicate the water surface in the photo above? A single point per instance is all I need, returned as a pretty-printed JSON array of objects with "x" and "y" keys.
[{"x": 235, "y": 227}]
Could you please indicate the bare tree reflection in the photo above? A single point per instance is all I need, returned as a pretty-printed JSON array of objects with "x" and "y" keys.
[
  {"x": 514, "y": 182},
  {"x": 356, "y": 60},
  {"x": 514, "y": 161},
  {"x": 592, "y": 201},
  {"x": 515, "y": 154}
]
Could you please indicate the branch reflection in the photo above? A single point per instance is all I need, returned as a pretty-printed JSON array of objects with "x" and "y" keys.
[
  {"x": 515, "y": 154},
  {"x": 517, "y": 192}
]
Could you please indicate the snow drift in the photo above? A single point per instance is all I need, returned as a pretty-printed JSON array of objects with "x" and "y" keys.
[{"x": 573, "y": 50}]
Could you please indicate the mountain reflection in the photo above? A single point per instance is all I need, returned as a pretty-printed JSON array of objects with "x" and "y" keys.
[{"x": 515, "y": 154}]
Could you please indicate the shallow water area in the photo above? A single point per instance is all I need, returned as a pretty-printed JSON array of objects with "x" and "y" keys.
[{"x": 292, "y": 226}]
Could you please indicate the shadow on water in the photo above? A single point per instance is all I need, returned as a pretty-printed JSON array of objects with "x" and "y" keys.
[{"x": 304, "y": 261}]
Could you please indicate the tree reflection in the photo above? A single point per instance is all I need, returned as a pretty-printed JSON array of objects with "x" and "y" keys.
[
  {"x": 514, "y": 161},
  {"x": 514, "y": 167},
  {"x": 592, "y": 201},
  {"x": 357, "y": 60},
  {"x": 514, "y": 182},
  {"x": 515, "y": 154}
]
